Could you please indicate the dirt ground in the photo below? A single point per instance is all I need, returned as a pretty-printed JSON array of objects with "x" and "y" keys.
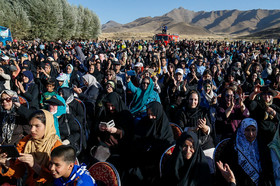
[{"x": 149, "y": 36}]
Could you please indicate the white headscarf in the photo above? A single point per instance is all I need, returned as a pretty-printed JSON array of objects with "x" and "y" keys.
[
  {"x": 248, "y": 153},
  {"x": 91, "y": 80}
]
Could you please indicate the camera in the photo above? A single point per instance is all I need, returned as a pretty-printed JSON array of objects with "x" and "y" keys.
[{"x": 15, "y": 99}]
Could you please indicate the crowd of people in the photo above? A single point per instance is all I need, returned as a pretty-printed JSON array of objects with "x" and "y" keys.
[{"x": 114, "y": 101}]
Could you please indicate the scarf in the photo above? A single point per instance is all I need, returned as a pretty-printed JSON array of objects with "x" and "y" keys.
[
  {"x": 208, "y": 97},
  {"x": 41, "y": 148},
  {"x": 60, "y": 111},
  {"x": 192, "y": 172},
  {"x": 91, "y": 80},
  {"x": 248, "y": 153},
  {"x": 8, "y": 125},
  {"x": 9, "y": 119},
  {"x": 30, "y": 77},
  {"x": 68, "y": 96},
  {"x": 142, "y": 97},
  {"x": 68, "y": 101},
  {"x": 69, "y": 75}
]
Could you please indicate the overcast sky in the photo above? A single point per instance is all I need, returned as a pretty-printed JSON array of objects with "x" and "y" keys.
[{"x": 124, "y": 11}]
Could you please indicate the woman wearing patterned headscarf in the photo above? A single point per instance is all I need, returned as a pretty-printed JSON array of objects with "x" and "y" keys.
[
  {"x": 247, "y": 157},
  {"x": 13, "y": 119}
]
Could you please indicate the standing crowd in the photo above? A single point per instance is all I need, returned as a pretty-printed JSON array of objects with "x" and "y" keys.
[{"x": 122, "y": 101}]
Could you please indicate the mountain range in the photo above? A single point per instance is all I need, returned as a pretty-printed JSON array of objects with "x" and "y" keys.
[{"x": 183, "y": 21}]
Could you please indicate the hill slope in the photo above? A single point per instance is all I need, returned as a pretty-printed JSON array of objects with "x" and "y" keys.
[{"x": 185, "y": 21}]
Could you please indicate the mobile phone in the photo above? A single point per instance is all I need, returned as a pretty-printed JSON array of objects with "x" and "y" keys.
[
  {"x": 111, "y": 123},
  {"x": 107, "y": 124},
  {"x": 10, "y": 150}
]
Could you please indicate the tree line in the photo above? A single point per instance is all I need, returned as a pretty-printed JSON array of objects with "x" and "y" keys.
[{"x": 48, "y": 20}]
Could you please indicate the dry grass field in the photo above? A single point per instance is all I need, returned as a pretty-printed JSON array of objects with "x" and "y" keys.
[{"x": 149, "y": 36}]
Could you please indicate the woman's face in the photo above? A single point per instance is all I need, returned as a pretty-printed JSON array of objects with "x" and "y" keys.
[
  {"x": 48, "y": 69},
  {"x": 250, "y": 133},
  {"x": 188, "y": 149},
  {"x": 25, "y": 79},
  {"x": 229, "y": 95},
  {"x": 214, "y": 68},
  {"x": 193, "y": 100},
  {"x": 207, "y": 88},
  {"x": 111, "y": 107},
  {"x": 60, "y": 83},
  {"x": 179, "y": 77},
  {"x": 1, "y": 70},
  {"x": 267, "y": 97},
  {"x": 254, "y": 76},
  {"x": 192, "y": 68},
  {"x": 145, "y": 84},
  {"x": 85, "y": 82},
  {"x": 6, "y": 101},
  {"x": 109, "y": 88},
  {"x": 150, "y": 114},
  {"x": 37, "y": 128},
  {"x": 109, "y": 76},
  {"x": 68, "y": 70},
  {"x": 91, "y": 69},
  {"x": 230, "y": 78},
  {"x": 53, "y": 108}
]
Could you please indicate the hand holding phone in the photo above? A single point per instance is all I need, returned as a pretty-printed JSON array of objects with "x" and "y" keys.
[{"x": 9, "y": 150}]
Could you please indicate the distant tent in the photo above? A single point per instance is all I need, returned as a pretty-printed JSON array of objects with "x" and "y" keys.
[{"x": 5, "y": 35}]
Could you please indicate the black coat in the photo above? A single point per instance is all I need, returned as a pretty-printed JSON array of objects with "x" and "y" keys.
[
  {"x": 69, "y": 129},
  {"x": 90, "y": 95},
  {"x": 152, "y": 138},
  {"x": 187, "y": 118},
  {"x": 267, "y": 127},
  {"x": 32, "y": 96},
  {"x": 180, "y": 171},
  {"x": 74, "y": 79}
]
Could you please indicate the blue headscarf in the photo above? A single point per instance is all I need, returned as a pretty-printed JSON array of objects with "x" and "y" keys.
[
  {"x": 30, "y": 77},
  {"x": 60, "y": 111},
  {"x": 143, "y": 97}
]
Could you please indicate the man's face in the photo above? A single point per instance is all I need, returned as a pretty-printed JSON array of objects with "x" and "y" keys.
[{"x": 59, "y": 168}]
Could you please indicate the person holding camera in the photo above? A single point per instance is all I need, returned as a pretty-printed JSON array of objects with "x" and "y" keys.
[
  {"x": 29, "y": 90},
  {"x": 13, "y": 118},
  {"x": 264, "y": 111},
  {"x": 230, "y": 113}
]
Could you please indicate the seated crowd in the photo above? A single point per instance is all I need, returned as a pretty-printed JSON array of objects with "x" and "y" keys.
[{"x": 213, "y": 105}]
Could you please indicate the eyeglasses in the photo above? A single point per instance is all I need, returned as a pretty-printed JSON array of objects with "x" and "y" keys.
[
  {"x": 109, "y": 74},
  {"x": 6, "y": 99}
]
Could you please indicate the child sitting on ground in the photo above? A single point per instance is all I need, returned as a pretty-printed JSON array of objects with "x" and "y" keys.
[{"x": 64, "y": 170}]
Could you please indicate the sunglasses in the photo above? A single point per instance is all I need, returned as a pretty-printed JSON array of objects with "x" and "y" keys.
[{"x": 6, "y": 99}]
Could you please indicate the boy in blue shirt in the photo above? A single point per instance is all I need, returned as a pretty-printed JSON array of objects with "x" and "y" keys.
[{"x": 64, "y": 170}]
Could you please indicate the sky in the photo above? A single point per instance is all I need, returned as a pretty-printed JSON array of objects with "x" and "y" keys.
[{"x": 125, "y": 11}]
